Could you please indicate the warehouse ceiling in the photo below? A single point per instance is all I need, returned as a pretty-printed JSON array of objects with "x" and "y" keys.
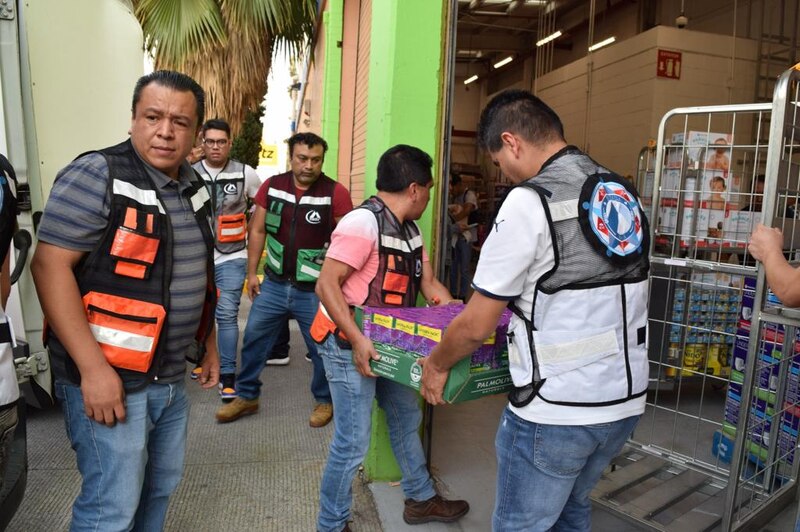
[{"x": 490, "y": 30}]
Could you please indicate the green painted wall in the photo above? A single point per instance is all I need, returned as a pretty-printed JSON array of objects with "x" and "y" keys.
[
  {"x": 332, "y": 85},
  {"x": 403, "y": 107}
]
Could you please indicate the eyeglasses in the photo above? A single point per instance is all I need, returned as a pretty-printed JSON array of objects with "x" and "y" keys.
[{"x": 211, "y": 142}]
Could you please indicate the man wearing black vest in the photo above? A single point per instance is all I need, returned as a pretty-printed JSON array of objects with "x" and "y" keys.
[
  {"x": 295, "y": 215},
  {"x": 230, "y": 183},
  {"x": 568, "y": 249},
  {"x": 377, "y": 258},
  {"x": 124, "y": 273}
]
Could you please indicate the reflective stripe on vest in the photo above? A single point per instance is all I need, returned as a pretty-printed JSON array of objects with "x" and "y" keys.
[{"x": 145, "y": 197}]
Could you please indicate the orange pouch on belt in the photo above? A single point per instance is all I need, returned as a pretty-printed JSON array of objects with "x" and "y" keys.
[
  {"x": 127, "y": 330},
  {"x": 231, "y": 227}
]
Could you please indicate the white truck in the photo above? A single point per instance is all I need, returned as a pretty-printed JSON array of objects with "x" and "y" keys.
[{"x": 67, "y": 71}]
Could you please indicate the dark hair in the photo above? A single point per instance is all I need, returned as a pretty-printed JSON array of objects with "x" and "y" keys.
[
  {"x": 309, "y": 139},
  {"x": 521, "y": 113},
  {"x": 217, "y": 123},
  {"x": 172, "y": 80},
  {"x": 455, "y": 179},
  {"x": 402, "y": 165}
]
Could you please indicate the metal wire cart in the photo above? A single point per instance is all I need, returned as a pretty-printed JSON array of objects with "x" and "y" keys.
[{"x": 715, "y": 448}]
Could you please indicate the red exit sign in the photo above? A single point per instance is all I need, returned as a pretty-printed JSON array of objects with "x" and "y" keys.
[{"x": 669, "y": 64}]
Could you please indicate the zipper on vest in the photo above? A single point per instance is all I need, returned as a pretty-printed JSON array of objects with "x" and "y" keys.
[
  {"x": 129, "y": 317},
  {"x": 625, "y": 339}
]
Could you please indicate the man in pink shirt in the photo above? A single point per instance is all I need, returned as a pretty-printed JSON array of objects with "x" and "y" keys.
[{"x": 376, "y": 258}]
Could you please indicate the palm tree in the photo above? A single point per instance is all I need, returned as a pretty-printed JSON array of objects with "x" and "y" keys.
[{"x": 226, "y": 45}]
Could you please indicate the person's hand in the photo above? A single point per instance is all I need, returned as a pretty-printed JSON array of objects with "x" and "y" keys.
[
  {"x": 210, "y": 364},
  {"x": 103, "y": 395},
  {"x": 253, "y": 286},
  {"x": 363, "y": 352},
  {"x": 765, "y": 241},
  {"x": 433, "y": 381}
]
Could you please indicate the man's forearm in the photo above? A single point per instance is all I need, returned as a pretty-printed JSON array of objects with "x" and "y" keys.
[
  {"x": 255, "y": 247},
  {"x": 63, "y": 307}
]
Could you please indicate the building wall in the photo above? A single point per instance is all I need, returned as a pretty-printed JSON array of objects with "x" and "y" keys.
[{"x": 627, "y": 99}]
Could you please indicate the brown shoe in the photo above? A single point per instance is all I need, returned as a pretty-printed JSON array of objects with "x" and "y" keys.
[
  {"x": 322, "y": 415},
  {"x": 237, "y": 408},
  {"x": 437, "y": 508}
]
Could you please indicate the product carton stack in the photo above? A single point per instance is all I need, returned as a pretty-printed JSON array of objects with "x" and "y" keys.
[
  {"x": 402, "y": 335},
  {"x": 765, "y": 406}
]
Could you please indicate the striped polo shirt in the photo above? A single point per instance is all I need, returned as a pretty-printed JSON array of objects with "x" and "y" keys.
[{"x": 76, "y": 216}]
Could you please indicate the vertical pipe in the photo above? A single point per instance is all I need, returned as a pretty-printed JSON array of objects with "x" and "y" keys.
[{"x": 589, "y": 66}]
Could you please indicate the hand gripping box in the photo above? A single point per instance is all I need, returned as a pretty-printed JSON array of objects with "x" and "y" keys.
[{"x": 402, "y": 335}]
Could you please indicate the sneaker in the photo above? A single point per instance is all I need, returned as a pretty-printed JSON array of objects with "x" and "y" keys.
[
  {"x": 227, "y": 387},
  {"x": 235, "y": 409},
  {"x": 308, "y": 357},
  {"x": 196, "y": 372},
  {"x": 437, "y": 508},
  {"x": 322, "y": 415},
  {"x": 278, "y": 361}
]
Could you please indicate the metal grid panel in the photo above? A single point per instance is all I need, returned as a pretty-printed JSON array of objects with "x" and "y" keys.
[{"x": 723, "y": 399}]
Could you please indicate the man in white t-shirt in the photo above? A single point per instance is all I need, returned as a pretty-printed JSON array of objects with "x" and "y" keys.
[
  {"x": 230, "y": 184},
  {"x": 463, "y": 205},
  {"x": 568, "y": 249}
]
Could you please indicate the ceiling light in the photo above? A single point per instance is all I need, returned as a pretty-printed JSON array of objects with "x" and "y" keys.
[
  {"x": 503, "y": 62},
  {"x": 474, "y": 4},
  {"x": 600, "y": 44},
  {"x": 471, "y": 79},
  {"x": 551, "y": 37},
  {"x": 514, "y": 5}
]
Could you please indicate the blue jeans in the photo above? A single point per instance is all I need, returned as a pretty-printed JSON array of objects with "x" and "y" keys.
[
  {"x": 129, "y": 470},
  {"x": 459, "y": 268},
  {"x": 277, "y": 302},
  {"x": 229, "y": 277},
  {"x": 352, "y": 409},
  {"x": 545, "y": 473}
]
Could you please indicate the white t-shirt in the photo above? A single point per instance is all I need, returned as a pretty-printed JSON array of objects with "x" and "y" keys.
[
  {"x": 467, "y": 197},
  {"x": 517, "y": 252},
  {"x": 251, "y": 184}
]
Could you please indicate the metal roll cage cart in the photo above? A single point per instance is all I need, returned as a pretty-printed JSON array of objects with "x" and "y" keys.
[{"x": 715, "y": 449}]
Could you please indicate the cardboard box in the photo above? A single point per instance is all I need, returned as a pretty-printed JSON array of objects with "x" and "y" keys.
[
  {"x": 484, "y": 373},
  {"x": 463, "y": 383}
]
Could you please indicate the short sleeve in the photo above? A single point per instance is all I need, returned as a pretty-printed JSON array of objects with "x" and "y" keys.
[
  {"x": 77, "y": 210},
  {"x": 252, "y": 183},
  {"x": 354, "y": 239},
  {"x": 260, "y": 198},
  {"x": 342, "y": 203},
  {"x": 517, "y": 249}
]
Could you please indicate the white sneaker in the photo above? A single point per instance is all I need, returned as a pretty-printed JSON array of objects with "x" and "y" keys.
[{"x": 278, "y": 361}]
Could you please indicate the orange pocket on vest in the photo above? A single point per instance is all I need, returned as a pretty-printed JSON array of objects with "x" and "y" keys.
[
  {"x": 127, "y": 330},
  {"x": 231, "y": 227},
  {"x": 128, "y": 244},
  {"x": 395, "y": 282}
]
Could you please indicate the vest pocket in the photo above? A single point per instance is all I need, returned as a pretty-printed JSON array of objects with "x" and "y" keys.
[
  {"x": 307, "y": 266},
  {"x": 274, "y": 255},
  {"x": 135, "y": 252},
  {"x": 520, "y": 361},
  {"x": 231, "y": 228},
  {"x": 272, "y": 221},
  {"x": 127, "y": 330}
]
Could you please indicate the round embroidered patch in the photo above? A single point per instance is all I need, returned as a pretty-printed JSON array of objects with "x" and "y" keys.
[{"x": 615, "y": 218}]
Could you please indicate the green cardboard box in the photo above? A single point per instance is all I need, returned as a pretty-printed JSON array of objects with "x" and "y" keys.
[{"x": 462, "y": 384}]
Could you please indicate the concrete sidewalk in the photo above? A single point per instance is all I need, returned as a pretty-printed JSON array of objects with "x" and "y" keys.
[{"x": 259, "y": 473}]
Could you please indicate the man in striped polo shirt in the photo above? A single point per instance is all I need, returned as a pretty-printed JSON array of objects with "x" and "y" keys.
[{"x": 124, "y": 273}]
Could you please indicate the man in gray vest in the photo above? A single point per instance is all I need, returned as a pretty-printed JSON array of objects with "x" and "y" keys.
[
  {"x": 568, "y": 249},
  {"x": 230, "y": 183}
]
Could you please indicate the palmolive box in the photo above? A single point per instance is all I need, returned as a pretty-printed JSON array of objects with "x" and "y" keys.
[{"x": 400, "y": 345}]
